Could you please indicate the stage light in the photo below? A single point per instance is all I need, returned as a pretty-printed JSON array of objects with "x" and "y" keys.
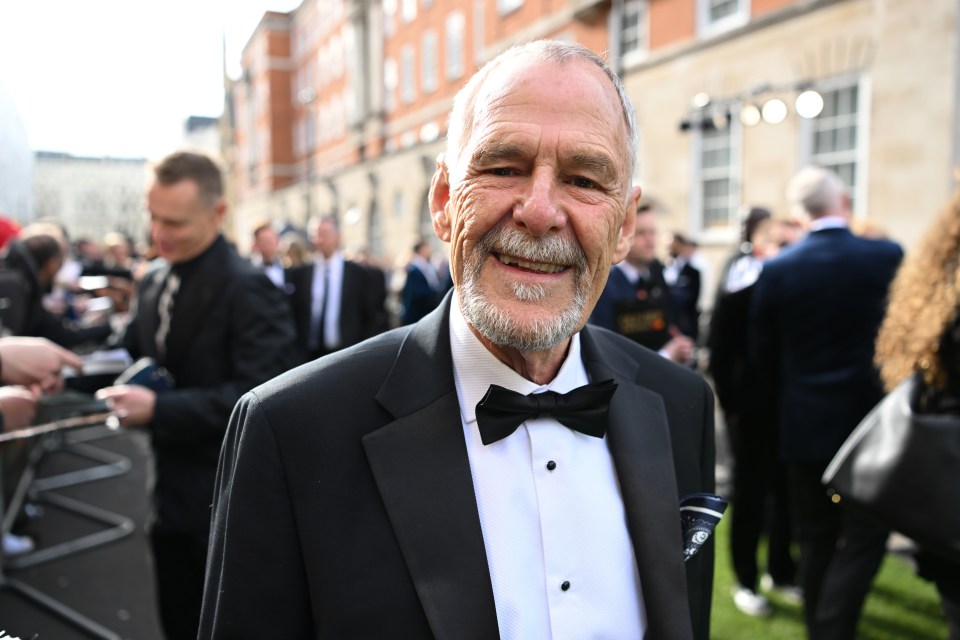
[
  {"x": 774, "y": 111},
  {"x": 749, "y": 115},
  {"x": 809, "y": 104}
]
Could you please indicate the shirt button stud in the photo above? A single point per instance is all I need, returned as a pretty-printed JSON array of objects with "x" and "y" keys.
[
  {"x": 551, "y": 465},
  {"x": 565, "y": 586}
]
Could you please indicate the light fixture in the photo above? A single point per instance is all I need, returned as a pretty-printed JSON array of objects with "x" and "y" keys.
[
  {"x": 720, "y": 120},
  {"x": 809, "y": 104},
  {"x": 749, "y": 115},
  {"x": 700, "y": 100},
  {"x": 774, "y": 111}
]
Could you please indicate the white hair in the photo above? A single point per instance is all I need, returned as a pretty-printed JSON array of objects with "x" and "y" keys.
[{"x": 816, "y": 192}]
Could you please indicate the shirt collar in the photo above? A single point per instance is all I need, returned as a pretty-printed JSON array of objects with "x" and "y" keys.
[
  {"x": 829, "y": 222},
  {"x": 475, "y": 368}
]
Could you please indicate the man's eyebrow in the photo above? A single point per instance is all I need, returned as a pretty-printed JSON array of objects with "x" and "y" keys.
[
  {"x": 598, "y": 163},
  {"x": 495, "y": 153}
]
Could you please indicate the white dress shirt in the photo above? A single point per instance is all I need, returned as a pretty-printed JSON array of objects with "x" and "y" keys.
[
  {"x": 331, "y": 318},
  {"x": 554, "y": 527},
  {"x": 274, "y": 271}
]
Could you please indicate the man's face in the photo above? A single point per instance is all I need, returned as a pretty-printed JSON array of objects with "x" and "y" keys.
[
  {"x": 182, "y": 225},
  {"x": 644, "y": 247},
  {"x": 537, "y": 208},
  {"x": 267, "y": 244},
  {"x": 326, "y": 239}
]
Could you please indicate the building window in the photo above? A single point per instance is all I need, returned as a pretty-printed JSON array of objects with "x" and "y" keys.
[
  {"x": 721, "y": 15},
  {"x": 408, "y": 91},
  {"x": 389, "y": 17},
  {"x": 834, "y": 136},
  {"x": 390, "y": 83},
  {"x": 408, "y": 10},
  {"x": 633, "y": 28},
  {"x": 428, "y": 61},
  {"x": 506, "y": 6},
  {"x": 717, "y": 159},
  {"x": 398, "y": 204},
  {"x": 454, "y": 46}
]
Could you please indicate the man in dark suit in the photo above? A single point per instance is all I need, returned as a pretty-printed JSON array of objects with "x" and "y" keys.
[
  {"x": 369, "y": 495},
  {"x": 335, "y": 301},
  {"x": 265, "y": 252},
  {"x": 684, "y": 281},
  {"x": 636, "y": 300},
  {"x": 220, "y": 327},
  {"x": 815, "y": 312},
  {"x": 422, "y": 288}
]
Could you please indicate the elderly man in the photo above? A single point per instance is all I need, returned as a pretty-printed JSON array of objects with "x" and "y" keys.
[
  {"x": 220, "y": 327},
  {"x": 390, "y": 490}
]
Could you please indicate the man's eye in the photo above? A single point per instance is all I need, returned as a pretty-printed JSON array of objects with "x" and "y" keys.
[
  {"x": 503, "y": 171},
  {"x": 583, "y": 183}
]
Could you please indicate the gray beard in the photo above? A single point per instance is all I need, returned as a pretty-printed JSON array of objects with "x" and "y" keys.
[{"x": 499, "y": 327}]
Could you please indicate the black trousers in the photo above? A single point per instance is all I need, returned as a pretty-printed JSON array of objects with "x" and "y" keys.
[
  {"x": 945, "y": 573},
  {"x": 179, "y": 565},
  {"x": 759, "y": 502},
  {"x": 840, "y": 553}
]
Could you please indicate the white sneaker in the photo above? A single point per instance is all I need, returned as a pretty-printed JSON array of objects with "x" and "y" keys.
[
  {"x": 790, "y": 593},
  {"x": 751, "y": 603},
  {"x": 14, "y": 545}
]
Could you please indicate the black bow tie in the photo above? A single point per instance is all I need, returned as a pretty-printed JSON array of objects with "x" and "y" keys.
[{"x": 584, "y": 409}]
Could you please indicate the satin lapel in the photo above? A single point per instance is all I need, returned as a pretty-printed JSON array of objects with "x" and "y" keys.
[
  {"x": 148, "y": 318},
  {"x": 639, "y": 438},
  {"x": 423, "y": 474}
]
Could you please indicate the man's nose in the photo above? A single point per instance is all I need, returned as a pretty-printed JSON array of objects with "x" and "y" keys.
[{"x": 539, "y": 209}]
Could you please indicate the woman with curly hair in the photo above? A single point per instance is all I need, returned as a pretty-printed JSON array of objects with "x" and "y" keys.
[{"x": 921, "y": 331}]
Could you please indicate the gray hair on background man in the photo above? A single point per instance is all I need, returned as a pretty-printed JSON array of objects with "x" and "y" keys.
[{"x": 816, "y": 192}]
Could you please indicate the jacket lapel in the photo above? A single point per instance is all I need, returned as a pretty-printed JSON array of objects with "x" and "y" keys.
[
  {"x": 639, "y": 439},
  {"x": 148, "y": 314},
  {"x": 422, "y": 471}
]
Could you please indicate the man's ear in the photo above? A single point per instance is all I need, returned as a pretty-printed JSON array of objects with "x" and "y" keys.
[
  {"x": 629, "y": 227},
  {"x": 220, "y": 210},
  {"x": 439, "y": 198}
]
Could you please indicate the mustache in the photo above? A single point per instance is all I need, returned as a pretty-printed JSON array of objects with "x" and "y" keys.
[{"x": 551, "y": 249}]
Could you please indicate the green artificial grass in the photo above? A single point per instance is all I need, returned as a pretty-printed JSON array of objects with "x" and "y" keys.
[{"x": 900, "y": 605}]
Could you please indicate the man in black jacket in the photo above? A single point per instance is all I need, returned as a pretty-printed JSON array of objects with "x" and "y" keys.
[{"x": 220, "y": 327}]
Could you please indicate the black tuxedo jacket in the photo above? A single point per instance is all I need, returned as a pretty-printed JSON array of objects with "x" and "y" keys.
[
  {"x": 345, "y": 507},
  {"x": 230, "y": 331},
  {"x": 362, "y": 314},
  {"x": 815, "y": 314}
]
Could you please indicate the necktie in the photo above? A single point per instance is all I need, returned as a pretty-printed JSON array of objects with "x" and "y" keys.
[
  {"x": 584, "y": 409},
  {"x": 317, "y": 329},
  {"x": 165, "y": 308}
]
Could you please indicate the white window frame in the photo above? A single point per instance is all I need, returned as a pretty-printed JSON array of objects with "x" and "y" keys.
[
  {"x": 734, "y": 171},
  {"x": 428, "y": 61},
  {"x": 618, "y": 26},
  {"x": 408, "y": 10},
  {"x": 859, "y": 155},
  {"x": 707, "y": 27},
  {"x": 455, "y": 28},
  {"x": 408, "y": 71},
  {"x": 508, "y": 6},
  {"x": 391, "y": 80}
]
